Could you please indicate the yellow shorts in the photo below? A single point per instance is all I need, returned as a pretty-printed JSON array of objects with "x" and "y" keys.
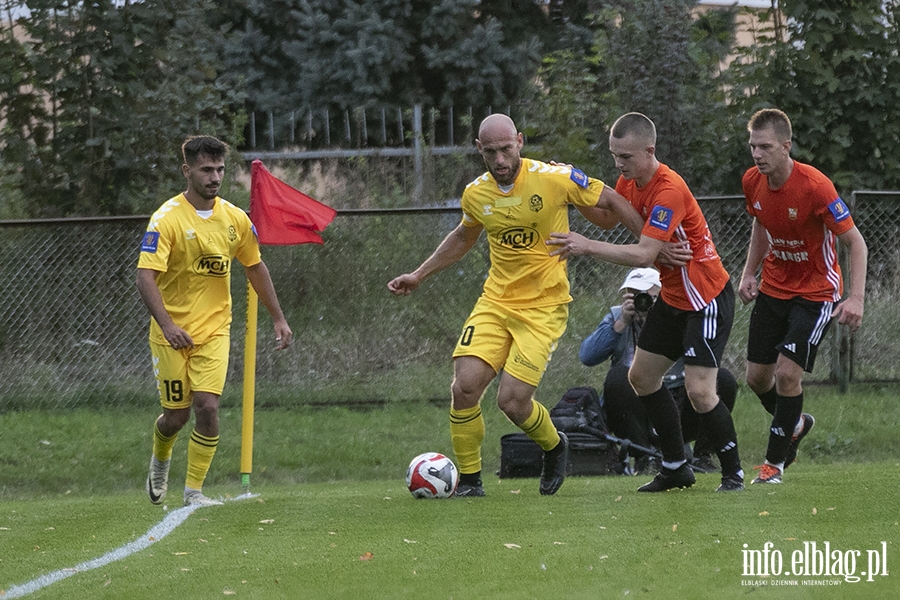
[
  {"x": 518, "y": 341},
  {"x": 178, "y": 373}
]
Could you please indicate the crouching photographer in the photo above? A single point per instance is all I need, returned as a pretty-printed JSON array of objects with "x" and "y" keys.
[{"x": 615, "y": 340}]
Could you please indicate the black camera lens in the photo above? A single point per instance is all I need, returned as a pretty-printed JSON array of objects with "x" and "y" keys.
[{"x": 642, "y": 302}]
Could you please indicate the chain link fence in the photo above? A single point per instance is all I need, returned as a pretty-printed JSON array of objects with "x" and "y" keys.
[{"x": 73, "y": 331}]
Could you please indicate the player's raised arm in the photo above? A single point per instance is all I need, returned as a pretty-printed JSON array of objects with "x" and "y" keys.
[
  {"x": 613, "y": 201},
  {"x": 611, "y": 209},
  {"x": 641, "y": 254},
  {"x": 457, "y": 243}
]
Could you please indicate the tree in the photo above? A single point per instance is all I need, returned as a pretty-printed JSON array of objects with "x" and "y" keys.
[
  {"x": 666, "y": 61},
  {"x": 650, "y": 56},
  {"x": 834, "y": 68},
  {"x": 568, "y": 109},
  {"x": 358, "y": 53},
  {"x": 99, "y": 97}
]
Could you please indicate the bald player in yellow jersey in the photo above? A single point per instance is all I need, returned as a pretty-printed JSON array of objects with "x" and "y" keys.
[
  {"x": 522, "y": 313},
  {"x": 184, "y": 279}
]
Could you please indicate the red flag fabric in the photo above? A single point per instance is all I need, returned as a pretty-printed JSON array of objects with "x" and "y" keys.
[{"x": 284, "y": 216}]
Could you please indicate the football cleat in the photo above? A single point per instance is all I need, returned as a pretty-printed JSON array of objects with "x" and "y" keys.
[
  {"x": 767, "y": 474},
  {"x": 667, "y": 479},
  {"x": 555, "y": 463},
  {"x": 807, "y": 424},
  {"x": 731, "y": 483},
  {"x": 196, "y": 498},
  {"x": 464, "y": 490},
  {"x": 158, "y": 479}
]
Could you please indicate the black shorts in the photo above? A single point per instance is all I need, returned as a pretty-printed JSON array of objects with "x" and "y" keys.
[
  {"x": 697, "y": 336},
  {"x": 792, "y": 327}
]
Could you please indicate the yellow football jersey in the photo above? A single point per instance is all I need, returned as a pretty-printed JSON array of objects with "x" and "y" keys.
[
  {"x": 518, "y": 223},
  {"x": 194, "y": 257}
]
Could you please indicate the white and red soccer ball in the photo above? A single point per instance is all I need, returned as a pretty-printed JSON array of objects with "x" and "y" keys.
[{"x": 432, "y": 475}]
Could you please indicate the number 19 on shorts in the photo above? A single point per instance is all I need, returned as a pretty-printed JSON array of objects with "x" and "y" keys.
[{"x": 174, "y": 390}]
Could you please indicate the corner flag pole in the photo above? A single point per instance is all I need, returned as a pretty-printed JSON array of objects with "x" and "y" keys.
[
  {"x": 249, "y": 388},
  {"x": 281, "y": 216}
]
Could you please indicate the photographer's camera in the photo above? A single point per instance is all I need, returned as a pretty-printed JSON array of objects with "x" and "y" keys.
[{"x": 642, "y": 302}]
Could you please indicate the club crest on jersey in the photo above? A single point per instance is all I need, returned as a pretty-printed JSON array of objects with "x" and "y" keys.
[
  {"x": 519, "y": 238},
  {"x": 536, "y": 203},
  {"x": 579, "y": 177},
  {"x": 488, "y": 210},
  {"x": 792, "y": 214},
  {"x": 232, "y": 233},
  {"x": 150, "y": 241},
  {"x": 661, "y": 217},
  {"x": 212, "y": 265},
  {"x": 839, "y": 210}
]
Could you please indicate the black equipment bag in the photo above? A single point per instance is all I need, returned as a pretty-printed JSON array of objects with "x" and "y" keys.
[
  {"x": 578, "y": 409},
  {"x": 520, "y": 456},
  {"x": 592, "y": 451}
]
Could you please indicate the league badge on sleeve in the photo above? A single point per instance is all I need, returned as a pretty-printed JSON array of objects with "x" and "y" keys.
[
  {"x": 839, "y": 210},
  {"x": 150, "y": 241},
  {"x": 661, "y": 217},
  {"x": 579, "y": 177}
]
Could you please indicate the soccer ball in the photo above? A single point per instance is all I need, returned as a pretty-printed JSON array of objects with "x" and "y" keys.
[{"x": 432, "y": 475}]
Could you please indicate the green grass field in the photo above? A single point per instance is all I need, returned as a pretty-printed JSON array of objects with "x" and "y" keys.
[
  {"x": 333, "y": 518},
  {"x": 597, "y": 538}
]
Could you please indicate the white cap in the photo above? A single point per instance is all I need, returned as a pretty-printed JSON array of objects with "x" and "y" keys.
[{"x": 641, "y": 279}]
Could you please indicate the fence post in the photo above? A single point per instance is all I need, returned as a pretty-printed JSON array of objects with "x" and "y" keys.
[
  {"x": 364, "y": 135},
  {"x": 293, "y": 126},
  {"x": 450, "y": 125},
  {"x": 843, "y": 336},
  {"x": 417, "y": 154},
  {"x": 347, "y": 135}
]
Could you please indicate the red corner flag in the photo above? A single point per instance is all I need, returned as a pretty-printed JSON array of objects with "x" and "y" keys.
[{"x": 283, "y": 215}]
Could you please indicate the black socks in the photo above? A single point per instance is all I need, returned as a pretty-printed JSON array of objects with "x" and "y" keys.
[
  {"x": 719, "y": 428},
  {"x": 787, "y": 414},
  {"x": 664, "y": 416}
]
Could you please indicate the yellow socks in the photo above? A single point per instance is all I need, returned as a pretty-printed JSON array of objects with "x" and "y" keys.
[
  {"x": 540, "y": 428},
  {"x": 467, "y": 434},
  {"x": 162, "y": 445},
  {"x": 201, "y": 450}
]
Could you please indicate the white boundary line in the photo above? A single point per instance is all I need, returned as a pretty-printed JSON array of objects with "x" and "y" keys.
[{"x": 154, "y": 534}]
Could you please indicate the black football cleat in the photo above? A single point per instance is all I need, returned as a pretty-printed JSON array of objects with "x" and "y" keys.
[
  {"x": 808, "y": 423},
  {"x": 555, "y": 463},
  {"x": 464, "y": 490},
  {"x": 731, "y": 483},
  {"x": 667, "y": 479}
]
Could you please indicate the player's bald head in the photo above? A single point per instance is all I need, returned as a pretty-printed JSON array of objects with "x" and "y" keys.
[
  {"x": 499, "y": 145},
  {"x": 496, "y": 127}
]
